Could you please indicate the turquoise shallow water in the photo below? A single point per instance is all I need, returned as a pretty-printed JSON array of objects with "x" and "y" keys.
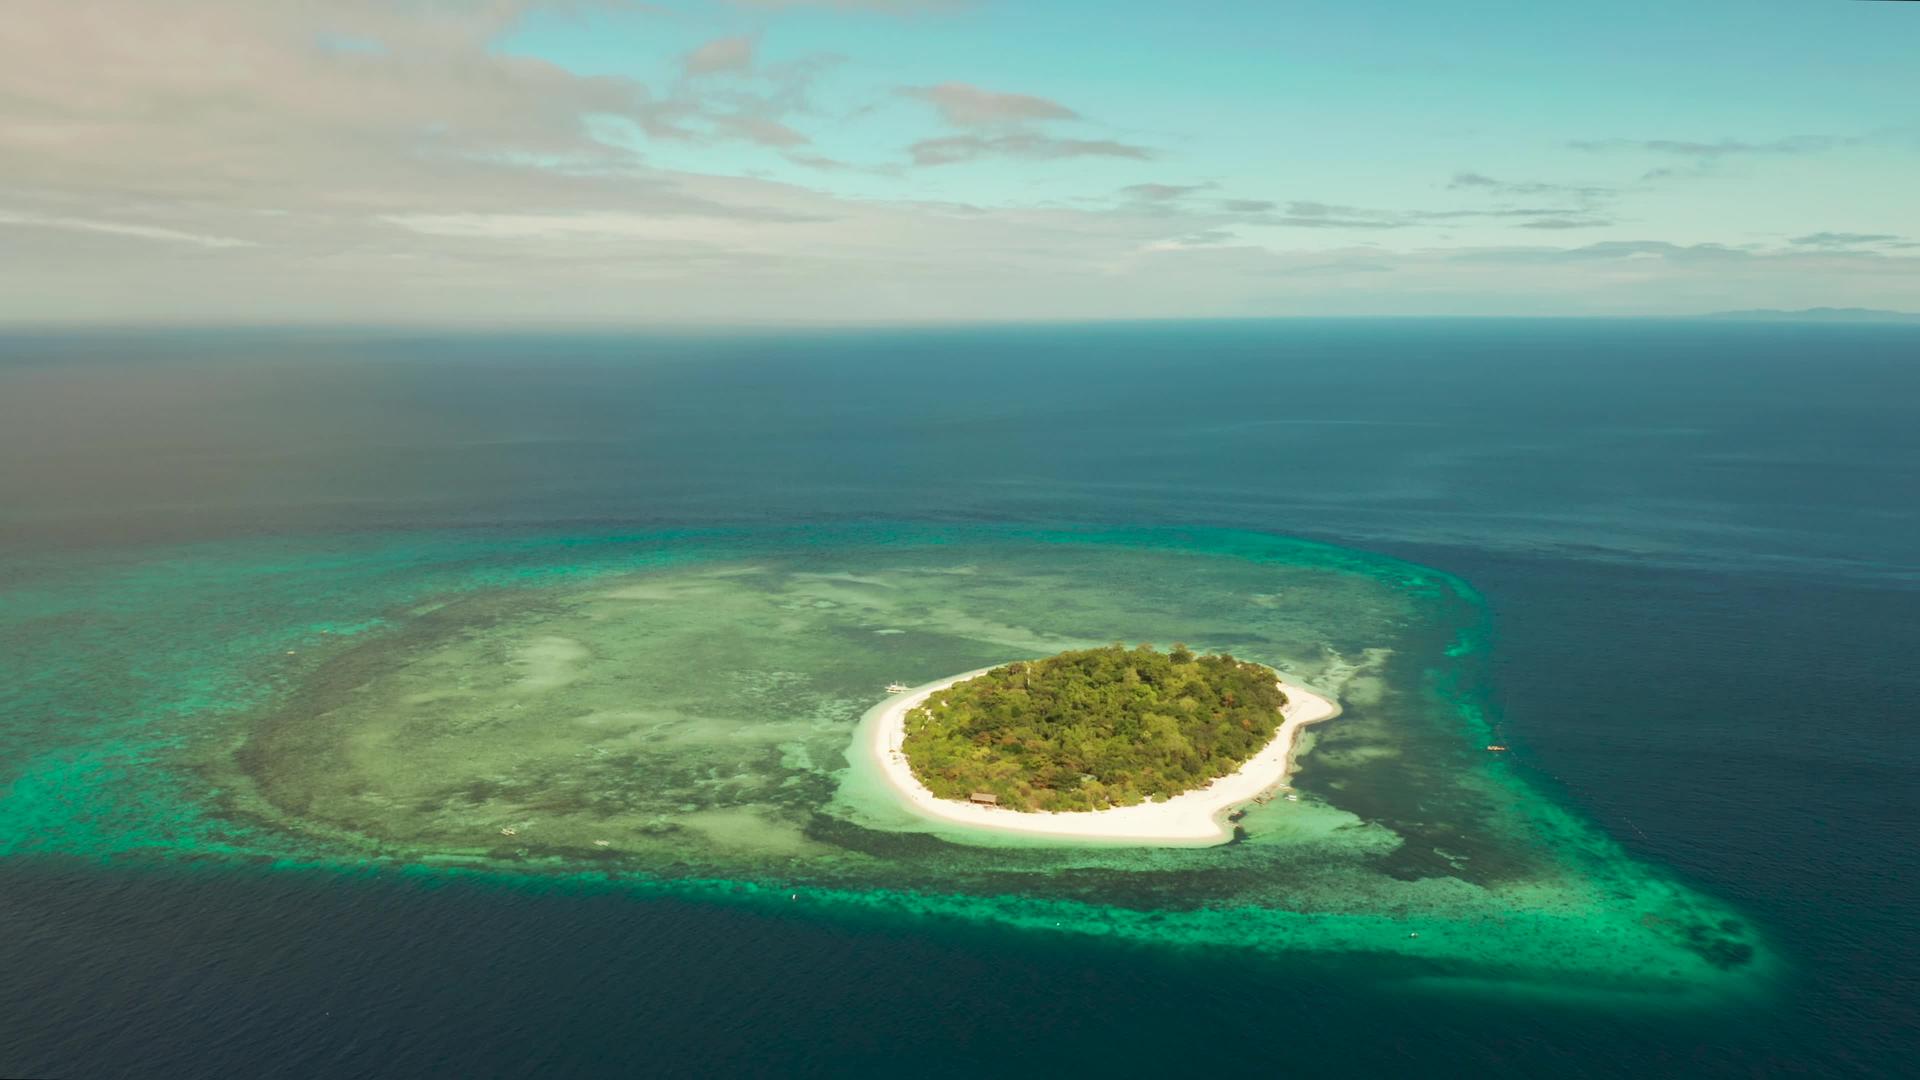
[
  {"x": 672, "y": 712},
  {"x": 290, "y": 629}
]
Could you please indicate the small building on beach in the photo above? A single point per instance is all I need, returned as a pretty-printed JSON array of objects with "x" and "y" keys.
[{"x": 984, "y": 798}]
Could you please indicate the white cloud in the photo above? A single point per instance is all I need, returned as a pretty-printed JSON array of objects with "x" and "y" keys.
[
  {"x": 201, "y": 157},
  {"x": 963, "y": 105},
  {"x": 1033, "y": 146},
  {"x": 121, "y": 228},
  {"x": 721, "y": 54}
]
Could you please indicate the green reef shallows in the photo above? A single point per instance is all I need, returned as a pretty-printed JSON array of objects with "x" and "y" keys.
[{"x": 675, "y": 712}]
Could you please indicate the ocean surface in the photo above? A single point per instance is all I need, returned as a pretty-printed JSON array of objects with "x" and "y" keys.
[{"x": 1674, "y": 565}]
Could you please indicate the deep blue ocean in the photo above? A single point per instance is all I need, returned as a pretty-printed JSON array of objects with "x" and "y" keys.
[{"x": 1699, "y": 543}]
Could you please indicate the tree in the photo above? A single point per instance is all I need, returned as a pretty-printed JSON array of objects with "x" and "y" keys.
[{"x": 1093, "y": 728}]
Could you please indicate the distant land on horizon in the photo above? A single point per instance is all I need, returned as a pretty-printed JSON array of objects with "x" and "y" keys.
[{"x": 1818, "y": 314}]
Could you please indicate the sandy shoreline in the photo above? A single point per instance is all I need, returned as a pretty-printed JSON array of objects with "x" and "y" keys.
[{"x": 1193, "y": 817}]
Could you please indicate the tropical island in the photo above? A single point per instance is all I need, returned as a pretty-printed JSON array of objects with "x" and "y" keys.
[
  {"x": 1106, "y": 743},
  {"x": 1093, "y": 728}
]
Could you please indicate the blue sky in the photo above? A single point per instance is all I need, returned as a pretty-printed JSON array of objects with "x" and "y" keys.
[
  {"x": 1369, "y": 105},
  {"x": 846, "y": 161}
]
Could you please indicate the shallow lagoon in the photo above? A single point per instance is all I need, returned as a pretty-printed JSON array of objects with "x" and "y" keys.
[{"x": 673, "y": 711}]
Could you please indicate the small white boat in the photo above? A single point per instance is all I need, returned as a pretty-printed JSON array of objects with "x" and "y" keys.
[{"x": 897, "y": 688}]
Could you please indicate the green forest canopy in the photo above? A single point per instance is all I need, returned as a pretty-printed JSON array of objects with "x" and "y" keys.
[{"x": 1093, "y": 728}]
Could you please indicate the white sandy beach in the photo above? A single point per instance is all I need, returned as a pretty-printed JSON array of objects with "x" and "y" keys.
[{"x": 1194, "y": 817}]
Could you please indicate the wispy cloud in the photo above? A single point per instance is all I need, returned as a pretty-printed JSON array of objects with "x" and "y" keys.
[
  {"x": 245, "y": 106},
  {"x": 1310, "y": 209},
  {"x": 1161, "y": 193},
  {"x": 1612, "y": 250},
  {"x": 1851, "y": 240},
  {"x": 965, "y": 105},
  {"x": 121, "y": 228},
  {"x": 379, "y": 159},
  {"x": 1323, "y": 270},
  {"x": 1794, "y": 144},
  {"x": 1313, "y": 214},
  {"x": 1205, "y": 238},
  {"x": 1565, "y": 223},
  {"x": 1032, "y": 146},
  {"x": 1473, "y": 181},
  {"x": 594, "y": 224},
  {"x": 1009, "y": 125},
  {"x": 1306, "y": 214},
  {"x": 721, "y": 54},
  {"x": 893, "y": 7}
]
